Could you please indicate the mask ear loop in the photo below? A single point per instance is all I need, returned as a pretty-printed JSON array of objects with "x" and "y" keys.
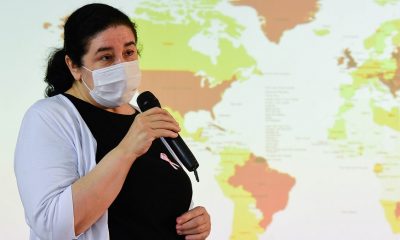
[{"x": 84, "y": 82}]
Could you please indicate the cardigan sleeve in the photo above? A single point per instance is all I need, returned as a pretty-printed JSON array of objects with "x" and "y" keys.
[{"x": 45, "y": 166}]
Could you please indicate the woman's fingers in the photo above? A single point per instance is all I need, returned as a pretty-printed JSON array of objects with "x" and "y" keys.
[
  {"x": 147, "y": 126},
  {"x": 195, "y": 224},
  {"x": 160, "y": 120}
]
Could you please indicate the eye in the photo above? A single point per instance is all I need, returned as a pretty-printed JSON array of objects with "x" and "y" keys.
[
  {"x": 106, "y": 58},
  {"x": 130, "y": 53}
]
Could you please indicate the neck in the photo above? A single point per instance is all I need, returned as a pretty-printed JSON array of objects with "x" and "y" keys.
[{"x": 79, "y": 91}]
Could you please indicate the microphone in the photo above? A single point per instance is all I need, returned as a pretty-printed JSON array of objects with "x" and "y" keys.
[{"x": 176, "y": 146}]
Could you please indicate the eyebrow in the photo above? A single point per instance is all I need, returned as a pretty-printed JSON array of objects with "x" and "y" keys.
[{"x": 102, "y": 49}]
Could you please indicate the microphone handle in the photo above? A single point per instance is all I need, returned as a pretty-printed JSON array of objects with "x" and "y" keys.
[{"x": 182, "y": 153}]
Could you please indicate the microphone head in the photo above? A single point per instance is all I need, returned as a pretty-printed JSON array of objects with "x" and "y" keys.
[{"x": 147, "y": 100}]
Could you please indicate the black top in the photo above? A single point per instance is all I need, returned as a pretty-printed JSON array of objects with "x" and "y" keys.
[{"x": 154, "y": 193}]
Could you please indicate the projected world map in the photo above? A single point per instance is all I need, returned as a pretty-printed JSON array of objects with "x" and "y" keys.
[{"x": 291, "y": 108}]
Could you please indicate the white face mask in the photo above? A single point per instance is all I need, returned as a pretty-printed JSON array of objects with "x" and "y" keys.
[{"x": 115, "y": 85}]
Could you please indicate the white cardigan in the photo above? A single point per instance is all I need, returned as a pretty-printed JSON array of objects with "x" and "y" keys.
[{"x": 54, "y": 149}]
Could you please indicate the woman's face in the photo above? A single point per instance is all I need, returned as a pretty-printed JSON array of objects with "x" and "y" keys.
[{"x": 114, "y": 45}]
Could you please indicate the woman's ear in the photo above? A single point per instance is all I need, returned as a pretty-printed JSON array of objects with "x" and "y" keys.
[{"x": 73, "y": 68}]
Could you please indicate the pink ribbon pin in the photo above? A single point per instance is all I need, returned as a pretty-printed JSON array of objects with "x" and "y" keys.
[{"x": 164, "y": 157}]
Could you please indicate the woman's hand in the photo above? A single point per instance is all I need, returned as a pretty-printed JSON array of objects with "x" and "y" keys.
[
  {"x": 195, "y": 224},
  {"x": 147, "y": 126}
]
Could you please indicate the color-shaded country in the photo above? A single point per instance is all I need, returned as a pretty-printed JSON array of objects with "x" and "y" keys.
[
  {"x": 347, "y": 57},
  {"x": 46, "y": 25},
  {"x": 182, "y": 91},
  {"x": 168, "y": 28},
  {"x": 392, "y": 80},
  {"x": 392, "y": 214},
  {"x": 269, "y": 187},
  {"x": 378, "y": 168},
  {"x": 246, "y": 221},
  {"x": 196, "y": 135},
  {"x": 338, "y": 131},
  {"x": 386, "y": 118},
  {"x": 322, "y": 32},
  {"x": 282, "y": 15}
]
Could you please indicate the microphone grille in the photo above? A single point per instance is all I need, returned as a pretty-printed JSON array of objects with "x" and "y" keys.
[{"x": 147, "y": 100}]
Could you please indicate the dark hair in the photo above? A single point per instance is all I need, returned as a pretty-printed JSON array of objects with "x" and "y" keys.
[{"x": 80, "y": 27}]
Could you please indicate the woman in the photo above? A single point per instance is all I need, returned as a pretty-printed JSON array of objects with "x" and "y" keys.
[{"x": 88, "y": 165}]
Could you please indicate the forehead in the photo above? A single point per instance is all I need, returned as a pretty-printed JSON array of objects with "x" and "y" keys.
[{"x": 114, "y": 36}]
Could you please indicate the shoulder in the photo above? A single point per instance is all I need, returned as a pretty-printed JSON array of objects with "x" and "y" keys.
[
  {"x": 54, "y": 106},
  {"x": 52, "y": 110},
  {"x": 56, "y": 103}
]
